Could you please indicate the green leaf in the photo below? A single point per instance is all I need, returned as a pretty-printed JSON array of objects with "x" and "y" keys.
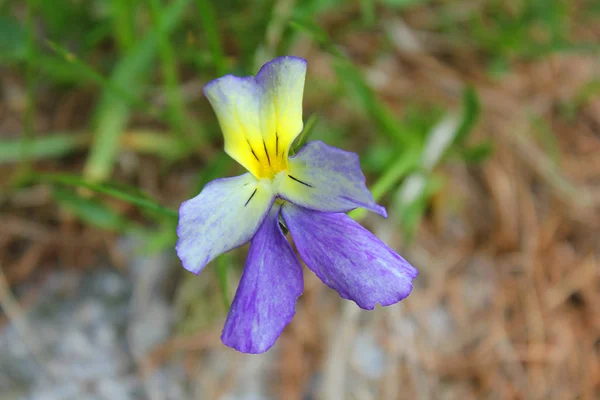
[{"x": 304, "y": 135}]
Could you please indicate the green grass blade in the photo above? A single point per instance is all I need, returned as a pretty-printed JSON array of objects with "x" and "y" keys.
[
  {"x": 124, "y": 23},
  {"x": 390, "y": 179},
  {"x": 470, "y": 114},
  {"x": 29, "y": 114},
  {"x": 210, "y": 25},
  {"x": 129, "y": 195},
  {"x": 478, "y": 153},
  {"x": 368, "y": 11},
  {"x": 90, "y": 211},
  {"x": 40, "y": 148},
  {"x": 353, "y": 80},
  {"x": 379, "y": 112},
  {"x": 317, "y": 33},
  {"x": 13, "y": 40},
  {"x": 112, "y": 113},
  {"x": 157, "y": 143},
  {"x": 57, "y": 145},
  {"x": 70, "y": 65},
  {"x": 176, "y": 109}
]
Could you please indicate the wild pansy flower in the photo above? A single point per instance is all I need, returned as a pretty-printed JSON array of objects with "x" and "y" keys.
[{"x": 260, "y": 117}]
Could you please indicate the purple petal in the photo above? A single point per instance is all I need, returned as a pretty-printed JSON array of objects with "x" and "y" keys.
[
  {"x": 271, "y": 283},
  {"x": 273, "y": 72},
  {"x": 325, "y": 178},
  {"x": 349, "y": 258},
  {"x": 225, "y": 215}
]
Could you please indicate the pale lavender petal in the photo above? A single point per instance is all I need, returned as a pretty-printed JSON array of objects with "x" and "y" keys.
[
  {"x": 349, "y": 258},
  {"x": 327, "y": 179},
  {"x": 225, "y": 215},
  {"x": 271, "y": 283}
]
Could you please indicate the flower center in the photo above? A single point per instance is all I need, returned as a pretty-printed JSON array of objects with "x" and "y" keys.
[
  {"x": 273, "y": 167},
  {"x": 271, "y": 160}
]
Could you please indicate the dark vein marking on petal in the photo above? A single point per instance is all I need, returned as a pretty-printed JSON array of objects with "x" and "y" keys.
[
  {"x": 266, "y": 152},
  {"x": 252, "y": 150},
  {"x": 299, "y": 181},
  {"x": 276, "y": 144},
  {"x": 250, "y": 198}
]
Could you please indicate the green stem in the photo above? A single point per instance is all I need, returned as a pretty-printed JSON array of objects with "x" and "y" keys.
[{"x": 406, "y": 163}]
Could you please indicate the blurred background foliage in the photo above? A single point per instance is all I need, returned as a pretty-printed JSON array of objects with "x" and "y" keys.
[{"x": 105, "y": 131}]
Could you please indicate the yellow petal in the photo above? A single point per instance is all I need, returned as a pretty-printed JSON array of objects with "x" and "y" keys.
[
  {"x": 236, "y": 102},
  {"x": 283, "y": 83},
  {"x": 260, "y": 117}
]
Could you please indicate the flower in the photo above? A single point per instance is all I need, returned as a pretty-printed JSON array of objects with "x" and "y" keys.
[{"x": 260, "y": 117}]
